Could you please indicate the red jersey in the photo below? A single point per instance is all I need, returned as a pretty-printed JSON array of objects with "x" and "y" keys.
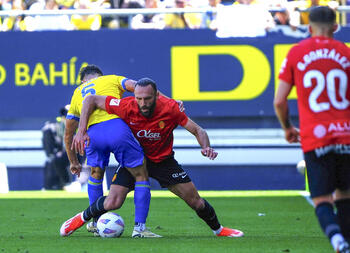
[
  {"x": 155, "y": 134},
  {"x": 319, "y": 67}
]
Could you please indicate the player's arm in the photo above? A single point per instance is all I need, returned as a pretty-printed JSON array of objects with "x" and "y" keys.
[
  {"x": 282, "y": 111},
  {"x": 202, "y": 138},
  {"x": 89, "y": 105},
  {"x": 71, "y": 127},
  {"x": 130, "y": 85}
]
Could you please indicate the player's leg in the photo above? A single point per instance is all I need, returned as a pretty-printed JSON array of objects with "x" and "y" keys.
[
  {"x": 95, "y": 187},
  {"x": 114, "y": 200},
  {"x": 343, "y": 212},
  {"x": 171, "y": 175},
  {"x": 189, "y": 193},
  {"x": 142, "y": 198},
  {"x": 103, "y": 137},
  {"x": 322, "y": 184},
  {"x": 342, "y": 194},
  {"x": 129, "y": 155},
  {"x": 97, "y": 157}
]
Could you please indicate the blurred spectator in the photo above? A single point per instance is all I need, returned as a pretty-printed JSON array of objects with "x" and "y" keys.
[
  {"x": 85, "y": 22},
  {"x": 209, "y": 18},
  {"x": 304, "y": 16},
  {"x": 183, "y": 20},
  {"x": 15, "y": 23},
  {"x": 56, "y": 174},
  {"x": 65, "y": 4},
  {"x": 264, "y": 15},
  {"x": 289, "y": 17},
  {"x": 347, "y": 14},
  {"x": 244, "y": 18},
  {"x": 47, "y": 22},
  {"x": 124, "y": 20},
  {"x": 152, "y": 21},
  {"x": 288, "y": 21}
]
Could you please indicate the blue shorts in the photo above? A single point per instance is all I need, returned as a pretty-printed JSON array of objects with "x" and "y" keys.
[{"x": 113, "y": 136}]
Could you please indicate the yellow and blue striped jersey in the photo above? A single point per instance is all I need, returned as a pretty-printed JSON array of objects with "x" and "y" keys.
[{"x": 109, "y": 85}]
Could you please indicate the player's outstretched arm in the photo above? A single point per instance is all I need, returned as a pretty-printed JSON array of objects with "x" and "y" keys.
[
  {"x": 202, "y": 138},
  {"x": 282, "y": 112},
  {"x": 71, "y": 127},
  {"x": 89, "y": 105}
]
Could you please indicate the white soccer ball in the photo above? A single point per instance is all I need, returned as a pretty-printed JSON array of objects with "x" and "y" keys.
[
  {"x": 301, "y": 167},
  {"x": 110, "y": 225}
]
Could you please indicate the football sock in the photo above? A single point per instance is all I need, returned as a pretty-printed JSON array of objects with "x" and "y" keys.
[
  {"x": 142, "y": 199},
  {"x": 328, "y": 222},
  {"x": 343, "y": 214},
  {"x": 209, "y": 216},
  {"x": 218, "y": 231},
  {"x": 95, "y": 210},
  {"x": 95, "y": 189}
]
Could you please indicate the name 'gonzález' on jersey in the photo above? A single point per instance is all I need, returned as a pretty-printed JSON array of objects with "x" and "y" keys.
[{"x": 323, "y": 53}]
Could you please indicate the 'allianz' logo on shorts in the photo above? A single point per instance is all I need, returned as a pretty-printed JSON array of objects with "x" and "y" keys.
[{"x": 148, "y": 134}]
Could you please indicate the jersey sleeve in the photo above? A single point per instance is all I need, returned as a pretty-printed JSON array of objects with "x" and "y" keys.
[
  {"x": 121, "y": 80},
  {"x": 181, "y": 117},
  {"x": 73, "y": 112},
  {"x": 286, "y": 71},
  {"x": 116, "y": 106}
]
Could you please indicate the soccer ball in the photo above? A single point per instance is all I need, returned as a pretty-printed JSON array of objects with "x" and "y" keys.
[
  {"x": 110, "y": 225},
  {"x": 301, "y": 167}
]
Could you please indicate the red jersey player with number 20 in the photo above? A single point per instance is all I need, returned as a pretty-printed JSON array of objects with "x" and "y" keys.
[{"x": 319, "y": 68}]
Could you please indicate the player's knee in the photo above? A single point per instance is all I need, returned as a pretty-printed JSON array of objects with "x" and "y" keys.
[
  {"x": 113, "y": 203},
  {"x": 139, "y": 173},
  {"x": 97, "y": 173},
  {"x": 322, "y": 199}
]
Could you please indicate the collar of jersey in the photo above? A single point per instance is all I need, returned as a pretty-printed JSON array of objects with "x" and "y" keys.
[{"x": 88, "y": 81}]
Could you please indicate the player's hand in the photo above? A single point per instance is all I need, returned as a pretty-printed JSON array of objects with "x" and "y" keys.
[
  {"x": 292, "y": 134},
  {"x": 80, "y": 141},
  {"x": 75, "y": 169},
  {"x": 209, "y": 152},
  {"x": 181, "y": 105}
]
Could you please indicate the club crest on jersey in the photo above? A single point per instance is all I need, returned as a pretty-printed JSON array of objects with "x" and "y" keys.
[
  {"x": 161, "y": 124},
  {"x": 114, "y": 102},
  {"x": 148, "y": 134}
]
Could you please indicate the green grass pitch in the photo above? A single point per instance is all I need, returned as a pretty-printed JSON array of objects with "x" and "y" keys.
[{"x": 273, "y": 222}]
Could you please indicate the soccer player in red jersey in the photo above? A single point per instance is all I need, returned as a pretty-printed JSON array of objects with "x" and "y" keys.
[
  {"x": 319, "y": 67},
  {"x": 152, "y": 119}
]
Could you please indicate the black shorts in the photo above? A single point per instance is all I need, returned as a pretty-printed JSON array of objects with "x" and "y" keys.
[
  {"x": 167, "y": 173},
  {"x": 327, "y": 172}
]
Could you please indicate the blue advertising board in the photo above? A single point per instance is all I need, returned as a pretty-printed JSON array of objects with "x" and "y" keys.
[{"x": 233, "y": 77}]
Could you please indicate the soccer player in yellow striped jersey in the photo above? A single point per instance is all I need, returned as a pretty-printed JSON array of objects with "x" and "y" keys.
[
  {"x": 111, "y": 84},
  {"x": 108, "y": 134}
]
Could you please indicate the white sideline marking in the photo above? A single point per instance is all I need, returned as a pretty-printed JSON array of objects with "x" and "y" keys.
[
  {"x": 306, "y": 195},
  {"x": 4, "y": 184}
]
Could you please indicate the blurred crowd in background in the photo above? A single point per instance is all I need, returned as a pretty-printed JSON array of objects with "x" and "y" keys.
[{"x": 291, "y": 15}]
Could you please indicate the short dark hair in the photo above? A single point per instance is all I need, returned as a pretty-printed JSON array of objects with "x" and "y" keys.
[
  {"x": 90, "y": 69},
  {"x": 322, "y": 14},
  {"x": 143, "y": 82}
]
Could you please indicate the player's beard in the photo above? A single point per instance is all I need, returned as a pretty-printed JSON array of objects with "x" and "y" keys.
[{"x": 150, "y": 108}]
